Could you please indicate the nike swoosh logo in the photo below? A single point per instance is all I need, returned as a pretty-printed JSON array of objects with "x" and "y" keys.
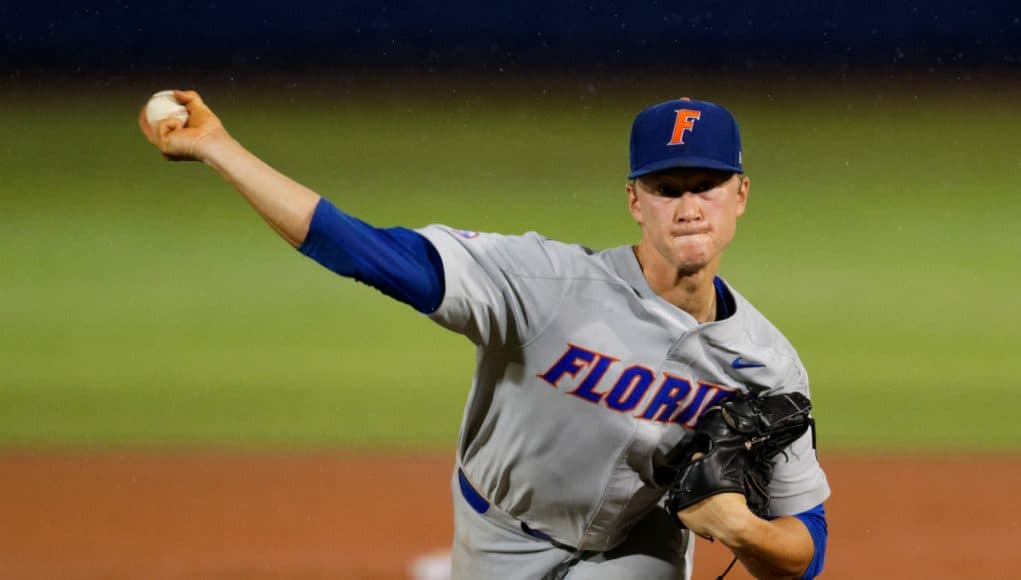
[{"x": 740, "y": 364}]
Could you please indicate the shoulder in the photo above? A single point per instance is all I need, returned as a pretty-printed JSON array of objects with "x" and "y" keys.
[
  {"x": 504, "y": 290},
  {"x": 760, "y": 329},
  {"x": 760, "y": 340},
  {"x": 530, "y": 254}
]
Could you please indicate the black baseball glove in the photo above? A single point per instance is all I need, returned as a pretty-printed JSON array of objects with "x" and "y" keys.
[{"x": 737, "y": 440}]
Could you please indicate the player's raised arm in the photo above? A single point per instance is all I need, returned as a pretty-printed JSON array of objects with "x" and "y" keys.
[
  {"x": 399, "y": 262},
  {"x": 286, "y": 205}
]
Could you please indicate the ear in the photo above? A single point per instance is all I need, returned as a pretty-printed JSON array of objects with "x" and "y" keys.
[
  {"x": 633, "y": 204},
  {"x": 742, "y": 194}
]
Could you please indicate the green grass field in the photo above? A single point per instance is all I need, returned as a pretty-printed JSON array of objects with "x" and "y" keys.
[{"x": 143, "y": 304}]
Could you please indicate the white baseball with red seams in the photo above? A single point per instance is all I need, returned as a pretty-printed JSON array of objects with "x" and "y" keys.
[{"x": 162, "y": 105}]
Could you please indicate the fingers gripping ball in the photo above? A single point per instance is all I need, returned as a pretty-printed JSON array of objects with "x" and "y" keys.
[
  {"x": 163, "y": 105},
  {"x": 733, "y": 447}
]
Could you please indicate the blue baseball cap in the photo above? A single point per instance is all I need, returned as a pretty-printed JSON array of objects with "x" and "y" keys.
[{"x": 684, "y": 133}]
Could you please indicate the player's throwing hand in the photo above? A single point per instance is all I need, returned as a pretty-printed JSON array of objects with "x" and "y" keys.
[{"x": 178, "y": 141}]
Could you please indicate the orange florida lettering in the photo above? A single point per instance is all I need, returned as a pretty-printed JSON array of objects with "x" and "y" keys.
[{"x": 685, "y": 121}]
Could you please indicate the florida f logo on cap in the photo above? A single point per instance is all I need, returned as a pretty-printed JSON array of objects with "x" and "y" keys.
[
  {"x": 684, "y": 133},
  {"x": 685, "y": 122}
]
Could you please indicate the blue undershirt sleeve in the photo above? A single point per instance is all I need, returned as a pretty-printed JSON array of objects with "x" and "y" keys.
[
  {"x": 398, "y": 262},
  {"x": 815, "y": 520}
]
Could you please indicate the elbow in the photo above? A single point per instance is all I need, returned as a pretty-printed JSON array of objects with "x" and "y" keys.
[
  {"x": 800, "y": 564},
  {"x": 292, "y": 238},
  {"x": 301, "y": 223},
  {"x": 790, "y": 569},
  {"x": 790, "y": 553},
  {"x": 800, "y": 567},
  {"x": 766, "y": 570},
  {"x": 797, "y": 571}
]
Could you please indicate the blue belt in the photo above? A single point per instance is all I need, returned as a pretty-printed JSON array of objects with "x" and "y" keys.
[
  {"x": 474, "y": 499},
  {"x": 482, "y": 505}
]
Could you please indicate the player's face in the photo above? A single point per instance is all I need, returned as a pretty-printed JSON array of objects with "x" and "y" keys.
[{"x": 688, "y": 216}]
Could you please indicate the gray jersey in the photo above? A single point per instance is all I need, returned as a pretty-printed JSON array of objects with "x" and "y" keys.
[{"x": 585, "y": 378}]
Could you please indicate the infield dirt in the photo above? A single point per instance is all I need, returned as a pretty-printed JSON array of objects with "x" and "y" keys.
[{"x": 317, "y": 516}]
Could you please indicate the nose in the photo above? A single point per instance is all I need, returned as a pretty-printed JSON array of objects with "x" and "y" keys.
[{"x": 689, "y": 208}]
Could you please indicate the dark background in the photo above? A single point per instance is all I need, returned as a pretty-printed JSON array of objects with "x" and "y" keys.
[{"x": 519, "y": 37}]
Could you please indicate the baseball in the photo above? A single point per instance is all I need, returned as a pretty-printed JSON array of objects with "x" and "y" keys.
[{"x": 162, "y": 105}]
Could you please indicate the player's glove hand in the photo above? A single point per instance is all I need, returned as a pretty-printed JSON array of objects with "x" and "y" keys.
[{"x": 733, "y": 447}]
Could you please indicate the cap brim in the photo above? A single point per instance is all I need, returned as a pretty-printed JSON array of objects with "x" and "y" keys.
[{"x": 676, "y": 162}]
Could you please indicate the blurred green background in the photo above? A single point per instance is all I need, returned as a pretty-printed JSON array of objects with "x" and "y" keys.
[{"x": 142, "y": 304}]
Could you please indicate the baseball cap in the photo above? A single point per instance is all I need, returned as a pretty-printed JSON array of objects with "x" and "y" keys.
[{"x": 684, "y": 133}]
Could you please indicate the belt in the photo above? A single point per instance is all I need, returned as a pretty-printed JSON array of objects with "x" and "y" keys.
[
  {"x": 474, "y": 498},
  {"x": 481, "y": 505}
]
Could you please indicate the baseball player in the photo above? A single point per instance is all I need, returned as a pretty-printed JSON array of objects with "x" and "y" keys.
[{"x": 591, "y": 365}]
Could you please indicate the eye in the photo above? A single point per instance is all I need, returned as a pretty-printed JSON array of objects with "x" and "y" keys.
[
  {"x": 669, "y": 191},
  {"x": 702, "y": 186}
]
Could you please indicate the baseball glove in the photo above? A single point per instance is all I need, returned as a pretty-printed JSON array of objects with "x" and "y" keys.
[{"x": 733, "y": 447}]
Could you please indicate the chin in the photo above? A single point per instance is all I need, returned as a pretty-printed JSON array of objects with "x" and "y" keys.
[
  {"x": 690, "y": 268},
  {"x": 689, "y": 264},
  {"x": 692, "y": 259}
]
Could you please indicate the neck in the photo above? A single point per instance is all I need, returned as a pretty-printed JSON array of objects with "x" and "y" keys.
[{"x": 692, "y": 291}]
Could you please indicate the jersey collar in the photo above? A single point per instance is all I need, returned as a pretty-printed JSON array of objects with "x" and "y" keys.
[{"x": 625, "y": 263}]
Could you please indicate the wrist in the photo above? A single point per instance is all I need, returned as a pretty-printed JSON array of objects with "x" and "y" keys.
[{"x": 214, "y": 148}]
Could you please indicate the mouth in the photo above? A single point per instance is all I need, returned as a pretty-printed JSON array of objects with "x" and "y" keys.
[{"x": 686, "y": 233}]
